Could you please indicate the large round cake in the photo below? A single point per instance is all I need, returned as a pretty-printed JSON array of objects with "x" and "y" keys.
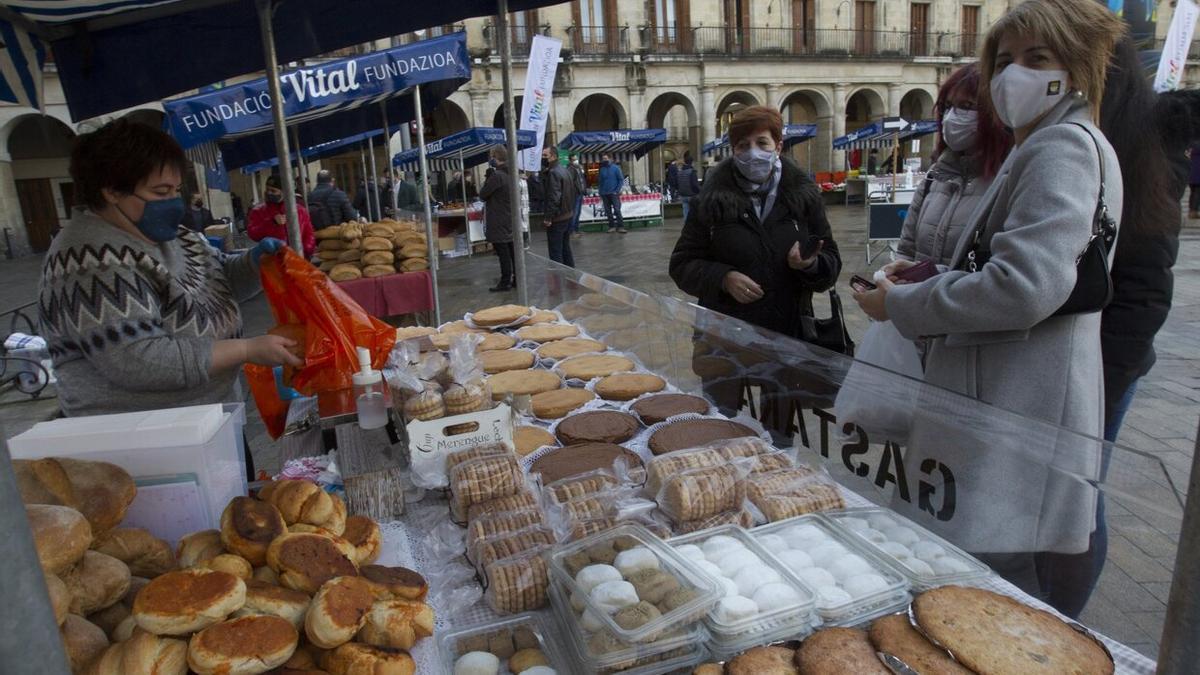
[{"x": 695, "y": 433}]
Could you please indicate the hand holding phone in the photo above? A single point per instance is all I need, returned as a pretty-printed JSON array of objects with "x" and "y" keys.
[
  {"x": 861, "y": 285},
  {"x": 917, "y": 273},
  {"x": 810, "y": 246}
]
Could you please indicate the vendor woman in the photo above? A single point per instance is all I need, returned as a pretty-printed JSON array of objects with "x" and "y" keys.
[{"x": 139, "y": 312}]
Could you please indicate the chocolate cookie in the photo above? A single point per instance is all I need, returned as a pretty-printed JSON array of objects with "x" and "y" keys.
[
  {"x": 597, "y": 426},
  {"x": 695, "y": 433},
  {"x": 655, "y": 409},
  {"x": 576, "y": 459}
]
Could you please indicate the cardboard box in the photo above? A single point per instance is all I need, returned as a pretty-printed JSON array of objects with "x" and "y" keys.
[
  {"x": 446, "y": 243},
  {"x": 430, "y": 442}
]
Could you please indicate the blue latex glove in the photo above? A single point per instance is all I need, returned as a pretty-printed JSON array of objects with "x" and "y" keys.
[{"x": 268, "y": 246}]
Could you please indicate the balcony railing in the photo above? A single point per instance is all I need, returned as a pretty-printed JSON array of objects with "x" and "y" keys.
[
  {"x": 826, "y": 43},
  {"x": 521, "y": 38},
  {"x": 599, "y": 40}
]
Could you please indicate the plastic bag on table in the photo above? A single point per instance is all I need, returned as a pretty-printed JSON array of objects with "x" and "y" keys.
[
  {"x": 864, "y": 397},
  {"x": 518, "y": 583},
  {"x": 577, "y": 487},
  {"x": 743, "y": 517},
  {"x": 469, "y": 391},
  {"x": 496, "y": 524},
  {"x": 786, "y": 493},
  {"x": 522, "y": 501},
  {"x": 700, "y": 493},
  {"x": 335, "y": 326},
  {"x": 491, "y": 549}
]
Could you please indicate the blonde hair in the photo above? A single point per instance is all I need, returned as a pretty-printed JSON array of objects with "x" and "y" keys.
[{"x": 1082, "y": 33}]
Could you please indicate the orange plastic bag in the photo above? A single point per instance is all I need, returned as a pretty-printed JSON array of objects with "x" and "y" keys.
[{"x": 335, "y": 326}]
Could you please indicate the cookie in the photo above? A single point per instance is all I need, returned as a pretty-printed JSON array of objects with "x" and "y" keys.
[
  {"x": 489, "y": 551},
  {"x": 518, "y": 584},
  {"x": 579, "y": 459},
  {"x": 496, "y": 524},
  {"x": 836, "y": 651},
  {"x": 655, "y": 409},
  {"x": 561, "y": 349},
  {"x": 494, "y": 341},
  {"x": 485, "y": 479},
  {"x": 522, "y": 501},
  {"x": 895, "y": 635},
  {"x": 501, "y": 360},
  {"x": 769, "y": 660},
  {"x": 427, "y": 405},
  {"x": 597, "y": 426},
  {"x": 460, "y": 400},
  {"x": 740, "y": 517},
  {"x": 571, "y": 489},
  {"x": 627, "y": 386},
  {"x": 662, "y": 468},
  {"x": 551, "y": 405},
  {"x": 522, "y": 382},
  {"x": 590, "y": 366},
  {"x": 547, "y": 332},
  {"x": 701, "y": 493},
  {"x": 527, "y": 439},
  {"x": 501, "y": 315},
  {"x": 695, "y": 433}
]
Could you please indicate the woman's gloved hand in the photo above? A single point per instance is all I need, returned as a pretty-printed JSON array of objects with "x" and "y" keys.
[{"x": 268, "y": 246}]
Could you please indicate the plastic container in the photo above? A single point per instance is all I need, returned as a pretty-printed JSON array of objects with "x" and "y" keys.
[
  {"x": 788, "y": 621},
  {"x": 631, "y": 535},
  {"x": 530, "y": 630},
  {"x": 369, "y": 397},
  {"x": 678, "y": 650},
  {"x": 192, "y": 456},
  {"x": 921, "y": 578},
  {"x": 890, "y": 596}
]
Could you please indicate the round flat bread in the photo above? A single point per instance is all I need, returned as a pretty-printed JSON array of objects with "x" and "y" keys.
[
  {"x": 772, "y": 659},
  {"x": 578, "y": 459},
  {"x": 627, "y": 386},
  {"x": 993, "y": 633},
  {"x": 501, "y": 315},
  {"x": 835, "y": 651},
  {"x": 895, "y": 635},
  {"x": 655, "y": 409},
  {"x": 410, "y": 332},
  {"x": 548, "y": 332},
  {"x": 442, "y": 341},
  {"x": 522, "y": 382},
  {"x": 542, "y": 316},
  {"x": 597, "y": 426},
  {"x": 494, "y": 341},
  {"x": 712, "y": 367},
  {"x": 501, "y": 360},
  {"x": 591, "y": 366},
  {"x": 460, "y": 326},
  {"x": 695, "y": 433},
  {"x": 527, "y": 439},
  {"x": 551, "y": 405},
  {"x": 561, "y": 349}
]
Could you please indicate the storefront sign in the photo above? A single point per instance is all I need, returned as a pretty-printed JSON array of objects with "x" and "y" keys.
[
  {"x": 633, "y": 207},
  {"x": 539, "y": 86},
  {"x": 1175, "y": 49}
]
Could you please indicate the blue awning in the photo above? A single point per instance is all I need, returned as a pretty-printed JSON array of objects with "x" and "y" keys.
[
  {"x": 326, "y": 102},
  {"x": 471, "y": 146},
  {"x": 315, "y": 152},
  {"x": 117, "y": 54},
  {"x": 622, "y": 145},
  {"x": 875, "y": 136},
  {"x": 792, "y": 134}
]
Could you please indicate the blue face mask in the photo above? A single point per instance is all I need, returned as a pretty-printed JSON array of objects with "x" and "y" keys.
[
  {"x": 160, "y": 218},
  {"x": 273, "y": 198}
]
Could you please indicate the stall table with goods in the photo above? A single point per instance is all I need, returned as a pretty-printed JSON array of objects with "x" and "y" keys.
[
  {"x": 562, "y": 496},
  {"x": 627, "y": 145},
  {"x": 636, "y": 209}
]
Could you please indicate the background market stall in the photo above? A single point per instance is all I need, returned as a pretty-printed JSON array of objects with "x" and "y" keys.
[
  {"x": 644, "y": 208},
  {"x": 719, "y": 148}
]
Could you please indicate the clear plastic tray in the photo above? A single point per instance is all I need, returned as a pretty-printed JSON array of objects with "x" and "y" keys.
[
  {"x": 680, "y": 649},
  {"x": 919, "y": 578},
  {"x": 707, "y": 590},
  {"x": 889, "y": 598},
  {"x": 453, "y": 644},
  {"x": 767, "y": 626}
]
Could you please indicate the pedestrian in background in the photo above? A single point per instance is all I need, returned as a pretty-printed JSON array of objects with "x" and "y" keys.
[
  {"x": 611, "y": 182},
  {"x": 672, "y": 180},
  {"x": 688, "y": 184},
  {"x": 197, "y": 217},
  {"x": 498, "y": 217},
  {"x": 559, "y": 209},
  {"x": 328, "y": 204},
  {"x": 580, "y": 178},
  {"x": 269, "y": 219}
]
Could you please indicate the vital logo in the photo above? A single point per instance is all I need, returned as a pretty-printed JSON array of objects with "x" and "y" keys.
[
  {"x": 318, "y": 83},
  {"x": 1054, "y": 88},
  {"x": 621, "y": 136}
]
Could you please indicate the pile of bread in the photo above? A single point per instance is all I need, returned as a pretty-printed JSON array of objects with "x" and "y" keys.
[
  {"x": 355, "y": 250},
  {"x": 286, "y": 582}
]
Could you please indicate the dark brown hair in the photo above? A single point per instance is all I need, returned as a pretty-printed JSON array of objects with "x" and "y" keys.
[
  {"x": 994, "y": 141},
  {"x": 754, "y": 119},
  {"x": 118, "y": 156}
]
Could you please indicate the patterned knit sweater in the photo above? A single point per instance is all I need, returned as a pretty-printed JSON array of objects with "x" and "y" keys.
[{"x": 130, "y": 324}]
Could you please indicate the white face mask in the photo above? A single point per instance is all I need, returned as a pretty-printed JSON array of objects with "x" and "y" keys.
[
  {"x": 960, "y": 128},
  {"x": 1022, "y": 95},
  {"x": 755, "y": 164}
]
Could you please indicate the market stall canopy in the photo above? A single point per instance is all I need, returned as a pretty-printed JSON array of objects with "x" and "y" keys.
[
  {"x": 792, "y": 134},
  {"x": 883, "y": 133},
  {"x": 314, "y": 152},
  {"x": 116, "y": 54},
  {"x": 471, "y": 145},
  {"x": 325, "y": 102},
  {"x": 622, "y": 145}
]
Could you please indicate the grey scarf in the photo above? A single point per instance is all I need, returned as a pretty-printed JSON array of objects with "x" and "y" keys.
[{"x": 762, "y": 195}]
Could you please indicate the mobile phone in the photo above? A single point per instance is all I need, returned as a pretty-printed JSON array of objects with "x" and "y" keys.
[
  {"x": 809, "y": 247},
  {"x": 919, "y": 272},
  {"x": 861, "y": 285}
]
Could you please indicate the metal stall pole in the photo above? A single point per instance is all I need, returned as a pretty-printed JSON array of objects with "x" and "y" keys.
[
  {"x": 430, "y": 239},
  {"x": 510, "y": 134},
  {"x": 362, "y": 159},
  {"x": 254, "y": 188},
  {"x": 462, "y": 170},
  {"x": 1180, "y": 645},
  {"x": 301, "y": 168},
  {"x": 373, "y": 193},
  {"x": 265, "y": 10},
  {"x": 387, "y": 154}
]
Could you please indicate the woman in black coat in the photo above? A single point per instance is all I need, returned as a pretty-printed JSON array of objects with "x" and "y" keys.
[
  {"x": 740, "y": 249},
  {"x": 498, "y": 217}
]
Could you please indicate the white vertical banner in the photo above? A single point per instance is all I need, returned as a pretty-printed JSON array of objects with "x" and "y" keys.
[
  {"x": 1175, "y": 50},
  {"x": 539, "y": 86}
]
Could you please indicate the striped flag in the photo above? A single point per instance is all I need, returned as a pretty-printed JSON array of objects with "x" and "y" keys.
[{"x": 21, "y": 62}]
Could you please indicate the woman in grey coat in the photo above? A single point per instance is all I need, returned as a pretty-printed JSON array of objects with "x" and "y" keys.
[
  {"x": 498, "y": 218},
  {"x": 994, "y": 335}
]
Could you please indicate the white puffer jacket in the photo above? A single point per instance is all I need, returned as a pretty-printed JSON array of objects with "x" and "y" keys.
[{"x": 941, "y": 207}]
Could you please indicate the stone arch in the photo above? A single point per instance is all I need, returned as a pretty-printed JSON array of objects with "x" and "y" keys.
[
  {"x": 917, "y": 104},
  {"x": 863, "y": 106},
  {"x": 39, "y": 147},
  {"x": 809, "y": 106},
  {"x": 730, "y": 103},
  {"x": 446, "y": 119},
  {"x": 664, "y": 113},
  {"x": 599, "y": 112}
]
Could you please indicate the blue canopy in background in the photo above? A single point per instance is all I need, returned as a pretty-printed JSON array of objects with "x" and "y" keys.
[
  {"x": 622, "y": 145},
  {"x": 473, "y": 144},
  {"x": 792, "y": 134},
  {"x": 314, "y": 152},
  {"x": 875, "y": 136},
  {"x": 324, "y": 103}
]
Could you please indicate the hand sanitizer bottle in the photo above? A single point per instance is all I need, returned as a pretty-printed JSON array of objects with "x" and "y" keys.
[{"x": 368, "y": 393}]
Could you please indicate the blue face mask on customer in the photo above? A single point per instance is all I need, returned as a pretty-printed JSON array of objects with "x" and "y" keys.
[{"x": 160, "y": 218}]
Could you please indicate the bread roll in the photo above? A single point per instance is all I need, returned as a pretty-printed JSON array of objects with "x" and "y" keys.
[
  {"x": 153, "y": 655},
  {"x": 354, "y": 658},
  {"x": 397, "y": 624},
  {"x": 44, "y": 481},
  {"x": 364, "y": 534},
  {"x": 199, "y": 546},
  {"x": 352, "y": 231},
  {"x": 378, "y": 258},
  {"x": 83, "y": 642},
  {"x": 60, "y": 597},
  {"x": 266, "y": 575},
  {"x": 263, "y": 598},
  {"x": 125, "y": 629},
  {"x": 331, "y": 245},
  {"x": 336, "y": 522},
  {"x": 228, "y": 562},
  {"x": 414, "y": 265},
  {"x": 350, "y": 256},
  {"x": 338, "y": 611},
  {"x": 245, "y": 646},
  {"x": 109, "y": 618},
  {"x": 373, "y": 271},
  {"x": 345, "y": 272},
  {"x": 379, "y": 230},
  {"x": 344, "y": 546},
  {"x": 96, "y": 582},
  {"x": 329, "y": 255},
  {"x": 377, "y": 244},
  {"x": 306, "y": 657},
  {"x": 415, "y": 250},
  {"x": 299, "y": 501},
  {"x": 144, "y": 554},
  {"x": 398, "y": 583},
  {"x": 248, "y": 526},
  {"x": 184, "y": 601},
  {"x": 305, "y": 561},
  {"x": 61, "y": 535},
  {"x": 104, "y": 491},
  {"x": 109, "y": 661},
  {"x": 331, "y": 232}
]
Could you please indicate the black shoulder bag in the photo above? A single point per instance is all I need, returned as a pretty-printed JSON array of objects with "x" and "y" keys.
[
  {"x": 829, "y": 333},
  {"x": 1093, "y": 282}
]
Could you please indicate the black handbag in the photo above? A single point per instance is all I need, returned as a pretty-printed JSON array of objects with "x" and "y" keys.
[
  {"x": 829, "y": 333},
  {"x": 1093, "y": 280}
]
